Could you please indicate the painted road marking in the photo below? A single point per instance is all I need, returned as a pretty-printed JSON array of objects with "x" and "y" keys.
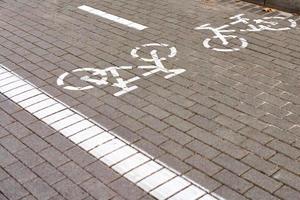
[
  {"x": 151, "y": 175},
  {"x": 112, "y": 17},
  {"x": 100, "y": 76},
  {"x": 222, "y": 33}
]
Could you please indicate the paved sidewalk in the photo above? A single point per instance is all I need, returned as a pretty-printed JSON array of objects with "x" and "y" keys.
[{"x": 222, "y": 117}]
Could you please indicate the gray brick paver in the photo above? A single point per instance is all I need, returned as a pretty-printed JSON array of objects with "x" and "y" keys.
[
  {"x": 40, "y": 189},
  {"x": 227, "y": 193},
  {"x": 35, "y": 142},
  {"x": 284, "y": 149},
  {"x": 176, "y": 150},
  {"x": 48, "y": 173},
  {"x": 12, "y": 144},
  {"x": 69, "y": 190},
  {"x": 258, "y": 149},
  {"x": 204, "y": 165},
  {"x": 288, "y": 178},
  {"x": 288, "y": 163},
  {"x": 231, "y": 164},
  {"x": 102, "y": 172},
  {"x": 6, "y": 158},
  {"x": 53, "y": 156},
  {"x": 287, "y": 193},
  {"x": 79, "y": 156},
  {"x": 176, "y": 163},
  {"x": 187, "y": 114},
  {"x": 12, "y": 189},
  {"x": 3, "y": 174},
  {"x": 256, "y": 193},
  {"x": 97, "y": 189},
  {"x": 59, "y": 142},
  {"x": 262, "y": 180},
  {"x": 260, "y": 164},
  {"x": 126, "y": 189},
  {"x": 233, "y": 181},
  {"x": 179, "y": 123},
  {"x": 20, "y": 172}
]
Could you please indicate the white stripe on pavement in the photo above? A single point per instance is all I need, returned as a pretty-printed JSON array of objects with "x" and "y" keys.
[
  {"x": 151, "y": 175},
  {"x": 112, "y": 17}
]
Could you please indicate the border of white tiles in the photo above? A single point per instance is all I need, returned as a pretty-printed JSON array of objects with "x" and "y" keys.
[
  {"x": 112, "y": 17},
  {"x": 151, "y": 175}
]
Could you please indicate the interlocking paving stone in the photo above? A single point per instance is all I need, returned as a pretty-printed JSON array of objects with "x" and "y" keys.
[
  {"x": 233, "y": 181},
  {"x": 70, "y": 190},
  {"x": 20, "y": 172},
  {"x": 12, "y": 144},
  {"x": 203, "y": 164},
  {"x": 259, "y": 194},
  {"x": 231, "y": 164},
  {"x": 285, "y": 149},
  {"x": 177, "y": 135},
  {"x": 152, "y": 136},
  {"x": 6, "y": 158},
  {"x": 176, "y": 149},
  {"x": 252, "y": 92},
  {"x": 262, "y": 180},
  {"x": 3, "y": 174},
  {"x": 40, "y": 189},
  {"x": 97, "y": 189},
  {"x": 102, "y": 172},
  {"x": 258, "y": 149},
  {"x": 127, "y": 189},
  {"x": 79, "y": 156},
  {"x": 12, "y": 189},
  {"x": 260, "y": 164},
  {"x": 48, "y": 173},
  {"x": 288, "y": 178},
  {"x": 286, "y": 162},
  {"x": 287, "y": 193},
  {"x": 74, "y": 172},
  {"x": 227, "y": 193},
  {"x": 55, "y": 157}
]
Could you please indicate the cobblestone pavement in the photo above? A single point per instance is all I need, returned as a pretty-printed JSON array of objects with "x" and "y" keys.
[{"x": 230, "y": 122}]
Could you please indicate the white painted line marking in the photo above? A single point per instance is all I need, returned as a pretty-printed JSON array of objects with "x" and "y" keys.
[
  {"x": 112, "y": 17},
  {"x": 75, "y": 128},
  {"x": 169, "y": 188},
  {"x": 49, "y": 111},
  {"x": 33, "y": 100},
  {"x": 8, "y": 80},
  {"x": 25, "y": 95},
  {"x": 57, "y": 116},
  {"x": 86, "y": 134},
  {"x": 208, "y": 197},
  {"x": 130, "y": 163},
  {"x": 13, "y": 85},
  {"x": 118, "y": 155},
  {"x": 5, "y": 76},
  {"x": 66, "y": 122},
  {"x": 190, "y": 193},
  {"x": 19, "y": 90},
  {"x": 107, "y": 148},
  {"x": 149, "y": 174},
  {"x": 156, "y": 179},
  {"x": 41, "y": 105},
  {"x": 96, "y": 141},
  {"x": 143, "y": 171}
]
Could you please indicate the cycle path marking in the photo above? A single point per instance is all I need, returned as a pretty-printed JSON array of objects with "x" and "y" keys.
[
  {"x": 111, "y": 17},
  {"x": 151, "y": 175},
  {"x": 100, "y": 76}
]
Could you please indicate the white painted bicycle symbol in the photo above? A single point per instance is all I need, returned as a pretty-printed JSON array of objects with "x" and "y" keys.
[
  {"x": 100, "y": 76},
  {"x": 223, "y": 33}
]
